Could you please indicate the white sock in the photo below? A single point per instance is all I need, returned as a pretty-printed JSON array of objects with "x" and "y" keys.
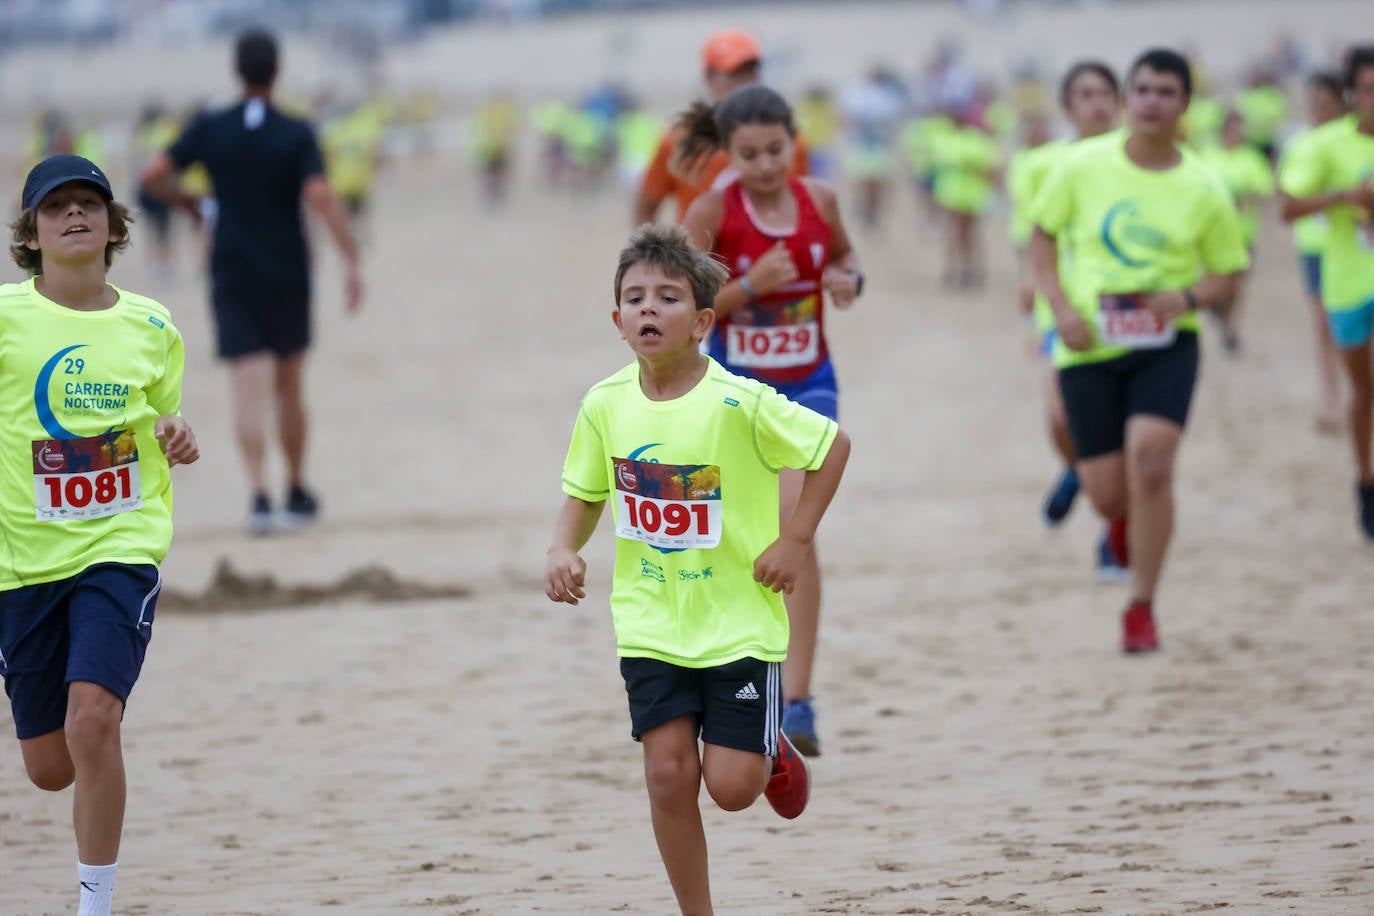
[{"x": 97, "y": 887}]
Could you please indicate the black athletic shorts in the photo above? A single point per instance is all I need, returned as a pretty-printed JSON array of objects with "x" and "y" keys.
[
  {"x": 1100, "y": 397},
  {"x": 736, "y": 705},
  {"x": 261, "y": 322}
]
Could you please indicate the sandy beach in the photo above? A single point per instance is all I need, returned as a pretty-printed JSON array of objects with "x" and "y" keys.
[{"x": 987, "y": 750}]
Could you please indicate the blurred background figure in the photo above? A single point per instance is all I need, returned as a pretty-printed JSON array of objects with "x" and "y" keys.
[
  {"x": 494, "y": 128},
  {"x": 965, "y": 159},
  {"x": 1325, "y": 103},
  {"x": 351, "y": 140},
  {"x": 1263, "y": 108},
  {"x": 1245, "y": 172},
  {"x": 153, "y": 133},
  {"x": 872, "y": 110},
  {"x": 636, "y": 137},
  {"x": 819, "y": 120}
]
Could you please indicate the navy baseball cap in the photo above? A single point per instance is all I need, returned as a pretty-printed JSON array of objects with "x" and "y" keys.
[{"x": 56, "y": 171}]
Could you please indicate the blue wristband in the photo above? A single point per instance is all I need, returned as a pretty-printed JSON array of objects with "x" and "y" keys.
[{"x": 748, "y": 287}]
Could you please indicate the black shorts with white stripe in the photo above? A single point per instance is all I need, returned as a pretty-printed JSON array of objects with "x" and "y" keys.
[{"x": 737, "y": 705}]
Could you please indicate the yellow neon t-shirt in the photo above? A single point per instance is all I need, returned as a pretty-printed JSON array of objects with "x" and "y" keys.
[
  {"x": 351, "y": 145},
  {"x": 1263, "y": 109},
  {"x": 964, "y": 161},
  {"x": 1025, "y": 174},
  {"x": 1134, "y": 231},
  {"x": 1339, "y": 158},
  {"x": 1309, "y": 232},
  {"x": 1246, "y": 175},
  {"x": 82, "y": 477},
  {"x": 694, "y": 495}
]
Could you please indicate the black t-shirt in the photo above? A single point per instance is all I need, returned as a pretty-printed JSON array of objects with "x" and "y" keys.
[{"x": 258, "y": 173}]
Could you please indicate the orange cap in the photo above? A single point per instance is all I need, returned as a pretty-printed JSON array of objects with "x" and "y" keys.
[{"x": 729, "y": 50}]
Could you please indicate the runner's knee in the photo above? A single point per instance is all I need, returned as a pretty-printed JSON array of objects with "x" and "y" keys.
[
  {"x": 733, "y": 793},
  {"x": 672, "y": 776},
  {"x": 93, "y": 720},
  {"x": 1152, "y": 467},
  {"x": 49, "y": 768}
]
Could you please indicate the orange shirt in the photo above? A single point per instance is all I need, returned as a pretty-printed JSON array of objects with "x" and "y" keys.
[{"x": 660, "y": 183}]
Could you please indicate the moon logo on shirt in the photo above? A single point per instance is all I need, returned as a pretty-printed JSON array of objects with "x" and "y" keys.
[
  {"x": 40, "y": 396},
  {"x": 1126, "y": 209}
]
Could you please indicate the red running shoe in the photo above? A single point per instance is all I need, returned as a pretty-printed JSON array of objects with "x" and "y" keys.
[
  {"x": 790, "y": 785},
  {"x": 1116, "y": 536},
  {"x": 1138, "y": 628}
]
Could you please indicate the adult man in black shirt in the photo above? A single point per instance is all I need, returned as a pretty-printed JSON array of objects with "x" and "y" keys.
[{"x": 263, "y": 164}]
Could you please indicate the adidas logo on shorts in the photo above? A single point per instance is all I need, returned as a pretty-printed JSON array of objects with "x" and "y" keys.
[{"x": 747, "y": 692}]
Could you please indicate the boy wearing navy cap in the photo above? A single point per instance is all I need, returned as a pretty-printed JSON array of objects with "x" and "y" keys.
[{"x": 90, "y": 394}]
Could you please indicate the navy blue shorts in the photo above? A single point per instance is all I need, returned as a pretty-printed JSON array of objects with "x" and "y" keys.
[
  {"x": 265, "y": 322},
  {"x": 1311, "y": 265},
  {"x": 819, "y": 391},
  {"x": 94, "y": 627},
  {"x": 737, "y": 705}
]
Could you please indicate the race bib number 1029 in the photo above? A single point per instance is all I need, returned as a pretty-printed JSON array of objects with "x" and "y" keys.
[
  {"x": 667, "y": 506},
  {"x": 86, "y": 478}
]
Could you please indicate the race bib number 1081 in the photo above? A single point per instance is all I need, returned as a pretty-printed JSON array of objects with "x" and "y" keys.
[
  {"x": 86, "y": 478},
  {"x": 668, "y": 506}
]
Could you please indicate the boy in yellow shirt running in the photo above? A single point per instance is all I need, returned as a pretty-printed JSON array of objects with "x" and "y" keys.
[
  {"x": 1155, "y": 237},
  {"x": 90, "y": 383},
  {"x": 689, "y": 454}
]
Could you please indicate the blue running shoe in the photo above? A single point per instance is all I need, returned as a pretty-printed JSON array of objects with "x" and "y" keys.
[
  {"x": 1060, "y": 501},
  {"x": 1108, "y": 568},
  {"x": 799, "y": 722}
]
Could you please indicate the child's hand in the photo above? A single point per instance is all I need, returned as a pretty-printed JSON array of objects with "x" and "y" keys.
[
  {"x": 772, "y": 270},
  {"x": 779, "y": 565},
  {"x": 564, "y": 576},
  {"x": 177, "y": 440},
  {"x": 842, "y": 284}
]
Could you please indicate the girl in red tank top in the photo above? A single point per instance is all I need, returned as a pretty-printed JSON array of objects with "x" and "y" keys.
[
  {"x": 779, "y": 336},
  {"x": 786, "y": 248}
]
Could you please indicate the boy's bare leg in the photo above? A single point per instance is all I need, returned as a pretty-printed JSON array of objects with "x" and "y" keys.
[
  {"x": 1151, "y": 444},
  {"x": 672, "y": 774},
  {"x": 803, "y": 605},
  {"x": 92, "y": 730},
  {"x": 734, "y": 778},
  {"x": 48, "y": 762},
  {"x": 250, "y": 377}
]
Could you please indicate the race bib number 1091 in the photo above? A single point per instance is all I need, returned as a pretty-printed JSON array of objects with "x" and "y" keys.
[
  {"x": 668, "y": 506},
  {"x": 86, "y": 478}
]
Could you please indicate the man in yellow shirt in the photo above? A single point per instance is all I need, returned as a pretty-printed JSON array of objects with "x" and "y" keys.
[
  {"x": 1155, "y": 237},
  {"x": 1335, "y": 176}
]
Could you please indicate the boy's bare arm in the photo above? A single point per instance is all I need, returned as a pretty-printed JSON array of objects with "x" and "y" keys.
[
  {"x": 778, "y": 566},
  {"x": 565, "y": 572}
]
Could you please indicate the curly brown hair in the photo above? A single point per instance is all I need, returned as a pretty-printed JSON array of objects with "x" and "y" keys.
[{"x": 25, "y": 230}]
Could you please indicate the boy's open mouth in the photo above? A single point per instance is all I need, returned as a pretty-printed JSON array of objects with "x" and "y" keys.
[
  {"x": 75, "y": 229},
  {"x": 650, "y": 331}
]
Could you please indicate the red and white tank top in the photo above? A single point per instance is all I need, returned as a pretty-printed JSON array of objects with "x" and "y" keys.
[{"x": 780, "y": 337}]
